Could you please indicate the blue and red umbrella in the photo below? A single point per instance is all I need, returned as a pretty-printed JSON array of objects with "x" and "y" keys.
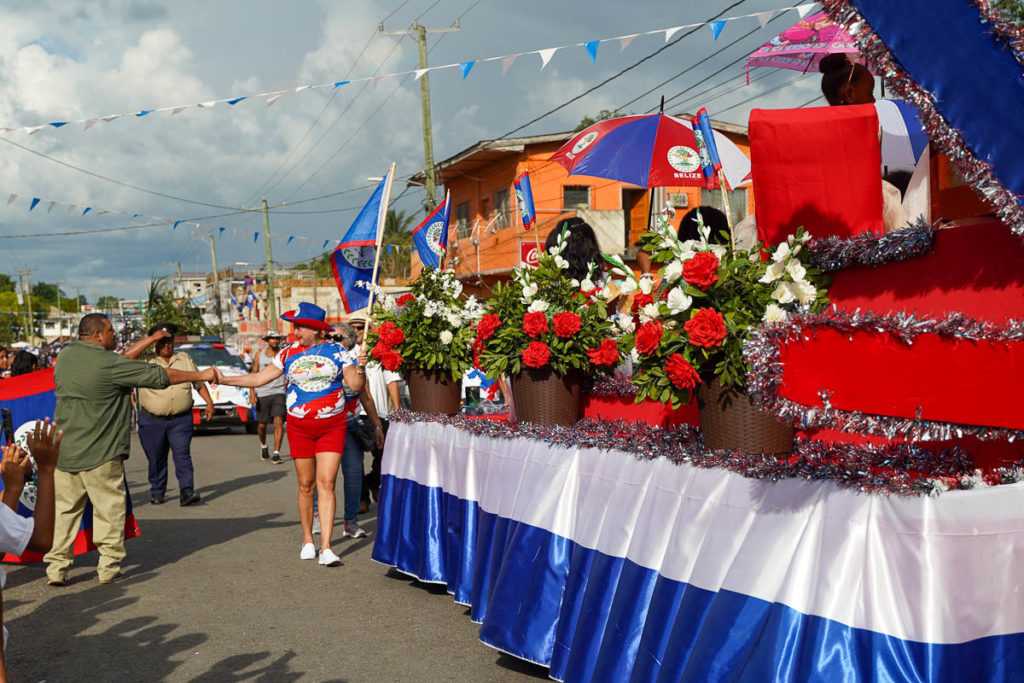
[{"x": 654, "y": 150}]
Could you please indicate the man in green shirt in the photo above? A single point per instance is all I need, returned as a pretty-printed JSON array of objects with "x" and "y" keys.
[{"x": 94, "y": 410}]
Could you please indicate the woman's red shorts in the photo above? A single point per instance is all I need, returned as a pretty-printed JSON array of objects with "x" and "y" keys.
[{"x": 307, "y": 436}]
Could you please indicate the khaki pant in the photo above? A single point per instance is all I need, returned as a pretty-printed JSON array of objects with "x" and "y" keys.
[{"x": 104, "y": 486}]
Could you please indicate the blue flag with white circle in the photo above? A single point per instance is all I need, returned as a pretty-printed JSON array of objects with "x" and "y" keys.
[{"x": 431, "y": 236}]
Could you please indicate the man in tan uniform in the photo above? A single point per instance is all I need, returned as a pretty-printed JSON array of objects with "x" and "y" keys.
[{"x": 165, "y": 422}]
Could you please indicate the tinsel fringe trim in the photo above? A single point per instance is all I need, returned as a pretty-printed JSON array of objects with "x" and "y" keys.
[
  {"x": 946, "y": 137},
  {"x": 902, "y": 469},
  {"x": 1012, "y": 35},
  {"x": 763, "y": 347},
  {"x": 833, "y": 253}
]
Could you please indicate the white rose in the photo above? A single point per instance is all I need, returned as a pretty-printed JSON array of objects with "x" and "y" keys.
[
  {"x": 649, "y": 312},
  {"x": 587, "y": 285},
  {"x": 529, "y": 291},
  {"x": 782, "y": 252},
  {"x": 719, "y": 250},
  {"x": 774, "y": 314},
  {"x": 628, "y": 287},
  {"x": 561, "y": 262},
  {"x": 389, "y": 303},
  {"x": 795, "y": 269},
  {"x": 626, "y": 324},
  {"x": 783, "y": 294},
  {"x": 446, "y": 337},
  {"x": 804, "y": 291},
  {"x": 678, "y": 301},
  {"x": 646, "y": 284},
  {"x": 673, "y": 271},
  {"x": 774, "y": 272},
  {"x": 454, "y": 320},
  {"x": 575, "y": 283},
  {"x": 635, "y": 356},
  {"x": 538, "y": 306}
]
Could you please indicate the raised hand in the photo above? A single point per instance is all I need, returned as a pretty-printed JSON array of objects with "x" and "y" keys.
[
  {"x": 44, "y": 444},
  {"x": 15, "y": 467}
]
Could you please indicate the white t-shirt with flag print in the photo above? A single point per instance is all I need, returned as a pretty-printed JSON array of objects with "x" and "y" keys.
[{"x": 316, "y": 384}]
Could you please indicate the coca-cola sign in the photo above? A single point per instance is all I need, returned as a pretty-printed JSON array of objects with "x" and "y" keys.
[{"x": 528, "y": 252}]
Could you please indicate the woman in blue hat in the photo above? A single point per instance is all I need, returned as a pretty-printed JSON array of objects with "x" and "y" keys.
[{"x": 319, "y": 373}]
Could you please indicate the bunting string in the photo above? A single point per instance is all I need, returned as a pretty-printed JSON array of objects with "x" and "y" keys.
[{"x": 465, "y": 67}]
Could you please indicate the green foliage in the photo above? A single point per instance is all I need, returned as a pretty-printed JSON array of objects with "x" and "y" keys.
[
  {"x": 546, "y": 289},
  {"x": 106, "y": 303},
  {"x": 603, "y": 115},
  {"x": 438, "y": 325},
  {"x": 1011, "y": 11},
  {"x": 747, "y": 293},
  {"x": 7, "y": 283},
  {"x": 161, "y": 307}
]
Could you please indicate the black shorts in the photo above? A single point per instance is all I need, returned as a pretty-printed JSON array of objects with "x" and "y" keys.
[{"x": 269, "y": 407}]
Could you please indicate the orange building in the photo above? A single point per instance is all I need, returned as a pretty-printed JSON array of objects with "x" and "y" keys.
[{"x": 487, "y": 238}]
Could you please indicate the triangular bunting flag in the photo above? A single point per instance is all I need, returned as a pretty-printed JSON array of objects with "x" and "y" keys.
[
  {"x": 764, "y": 17},
  {"x": 143, "y": 112},
  {"x": 669, "y": 32},
  {"x": 624, "y": 41},
  {"x": 32, "y": 130},
  {"x": 110, "y": 117},
  {"x": 341, "y": 83},
  {"x": 50, "y": 207},
  {"x": 235, "y": 100},
  {"x": 716, "y": 28},
  {"x": 592, "y": 50},
  {"x": 207, "y": 104},
  {"x": 71, "y": 207},
  {"x": 273, "y": 97},
  {"x": 506, "y": 63},
  {"x": 418, "y": 74},
  {"x": 102, "y": 211},
  {"x": 35, "y": 200},
  {"x": 290, "y": 238},
  {"x": 90, "y": 123},
  {"x": 376, "y": 81},
  {"x": 803, "y": 9},
  {"x": 546, "y": 55},
  {"x": 176, "y": 224},
  {"x": 221, "y": 230},
  {"x": 58, "y": 124},
  {"x": 11, "y": 198},
  {"x": 255, "y": 237},
  {"x": 178, "y": 110},
  {"x": 87, "y": 210},
  {"x": 466, "y": 68},
  {"x": 325, "y": 244},
  {"x": 301, "y": 88}
]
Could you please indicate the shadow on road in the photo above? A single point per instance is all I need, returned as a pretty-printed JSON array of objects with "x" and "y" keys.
[{"x": 140, "y": 489}]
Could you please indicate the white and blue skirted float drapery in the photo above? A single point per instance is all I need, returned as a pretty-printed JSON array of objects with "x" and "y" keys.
[{"x": 608, "y": 567}]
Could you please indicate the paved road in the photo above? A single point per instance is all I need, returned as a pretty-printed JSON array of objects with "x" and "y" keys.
[{"x": 216, "y": 593}]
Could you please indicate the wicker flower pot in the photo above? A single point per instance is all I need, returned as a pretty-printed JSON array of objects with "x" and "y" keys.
[
  {"x": 730, "y": 421},
  {"x": 434, "y": 392},
  {"x": 542, "y": 396}
]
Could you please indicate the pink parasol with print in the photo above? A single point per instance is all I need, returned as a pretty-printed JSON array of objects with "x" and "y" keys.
[{"x": 801, "y": 46}]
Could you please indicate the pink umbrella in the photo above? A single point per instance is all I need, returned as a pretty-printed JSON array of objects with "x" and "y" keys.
[{"x": 801, "y": 46}]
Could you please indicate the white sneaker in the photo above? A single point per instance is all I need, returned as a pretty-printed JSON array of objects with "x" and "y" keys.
[
  {"x": 329, "y": 559},
  {"x": 308, "y": 552},
  {"x": 353, "y": 529},
  {"x": 316, "y": 524}
]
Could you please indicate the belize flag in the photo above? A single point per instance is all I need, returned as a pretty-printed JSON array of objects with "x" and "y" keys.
[
  {"x": 33, "y": 397},
  {"x": 524, "y": 195},
  {"x": 711, "y": 163},
  {"x": 431, "y": 236},
  {"x": 354, "y": 256}
]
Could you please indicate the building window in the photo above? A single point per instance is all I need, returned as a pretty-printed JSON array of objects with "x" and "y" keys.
[
  {"x": 737, "y": 202},
  {"x": 576, "y": 197},
  {"x": 501, "y": 209},
  {"x": 462, "y": 220}
]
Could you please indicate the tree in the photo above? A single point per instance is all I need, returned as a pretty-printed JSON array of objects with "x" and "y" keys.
[
  {"x": 397, "y": 233},
  {"x": 50, "y": 293},
  {"x": 603, "y": 115},
  {"x": 161, "y": 307},
  {"x": 7, "y": 283},
  {"x": 107, "y": 302}
]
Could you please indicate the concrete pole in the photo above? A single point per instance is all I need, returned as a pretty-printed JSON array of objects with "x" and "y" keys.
[
  {"x": 216, "y": 286},
  {"x": 270, "y": 269}
]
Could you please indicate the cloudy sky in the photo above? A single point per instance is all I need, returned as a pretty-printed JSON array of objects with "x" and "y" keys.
[{"x": 69, "y": 59}]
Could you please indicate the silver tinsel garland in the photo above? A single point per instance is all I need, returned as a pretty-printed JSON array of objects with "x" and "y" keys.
[
  {"x": 895, "y": 468},
  {"x": 610, "y": 386},
  {"x": 832, "y": 253},
  {"x": 1012, "y": 35},
  {"x": 946, "y": 137},
  {"x": 764, "y": 346}
]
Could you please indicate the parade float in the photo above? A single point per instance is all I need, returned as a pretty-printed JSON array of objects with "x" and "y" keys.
[{"x": 887, "y": 544}]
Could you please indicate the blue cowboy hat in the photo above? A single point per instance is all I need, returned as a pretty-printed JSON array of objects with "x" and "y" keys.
[{"x": 308, "y": 315}]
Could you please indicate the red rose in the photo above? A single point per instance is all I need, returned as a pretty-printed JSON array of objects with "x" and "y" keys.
[
  {"x": 648, "y": 336},
  {"x": 706, "y": 328},
  {"x": 566, "y": 324},
  {"x": 379, "y": 349},
  {"x": 702, "y": 270},
  {"x": 390, "y": 360},
  {"x": 393, "y": 337},
  {"x": 384, "y": 333},
  {"x": 535, "y": 324},
  {"x": 486, "y": 327},
  {"x": 681, "y": 373},
  {"x": 640, "y": 300},
  {"x": 536, "y": 354},
  {"x": 405, "y": 299},
  {"x": 605, "y": 354}
]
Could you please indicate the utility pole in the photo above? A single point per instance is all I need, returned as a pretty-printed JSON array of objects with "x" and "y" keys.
[
  {"x": 28, "y": 302},
  {"x": 270, "y": 269},
  {"x": 78, "y": 299},
  {"x": 428, "y": 139},
  {"x": 216, "y": 286}
]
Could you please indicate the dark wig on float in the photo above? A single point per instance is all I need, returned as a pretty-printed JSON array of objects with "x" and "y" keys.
[
  {"x": 581, "y": 247},
  {"x": 838, "y": 72}
]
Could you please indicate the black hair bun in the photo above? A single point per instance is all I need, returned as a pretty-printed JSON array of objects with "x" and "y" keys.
[{"x": 833, "y": 62}]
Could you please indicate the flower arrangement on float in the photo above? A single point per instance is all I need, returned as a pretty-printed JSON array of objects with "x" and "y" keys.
[
  {"x": 687, "y": 331},
  {"x": 427, "y": 335},
  {"x": 546, "y": 331}
]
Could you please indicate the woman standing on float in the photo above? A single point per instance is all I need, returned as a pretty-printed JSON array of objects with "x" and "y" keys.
[{"x": 318, "y": 374}]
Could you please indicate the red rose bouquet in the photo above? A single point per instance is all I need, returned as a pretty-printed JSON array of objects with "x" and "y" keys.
[
  {"x": 543, "y": 318},
  {"x": 430, "y": 328},
  {"x": 690, "y": 328}
]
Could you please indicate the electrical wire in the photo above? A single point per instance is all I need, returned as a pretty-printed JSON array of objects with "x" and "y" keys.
[{"x": 120, "y": 228}]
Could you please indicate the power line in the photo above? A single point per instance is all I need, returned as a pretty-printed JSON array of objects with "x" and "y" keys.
[
  {"x": 751, "y": 99},
  {"x": 620, "y": 73},
  {"x": 150, "y": 224}
]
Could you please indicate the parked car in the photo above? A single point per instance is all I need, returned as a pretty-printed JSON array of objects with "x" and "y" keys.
[{"x": 231, "y": 405}]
